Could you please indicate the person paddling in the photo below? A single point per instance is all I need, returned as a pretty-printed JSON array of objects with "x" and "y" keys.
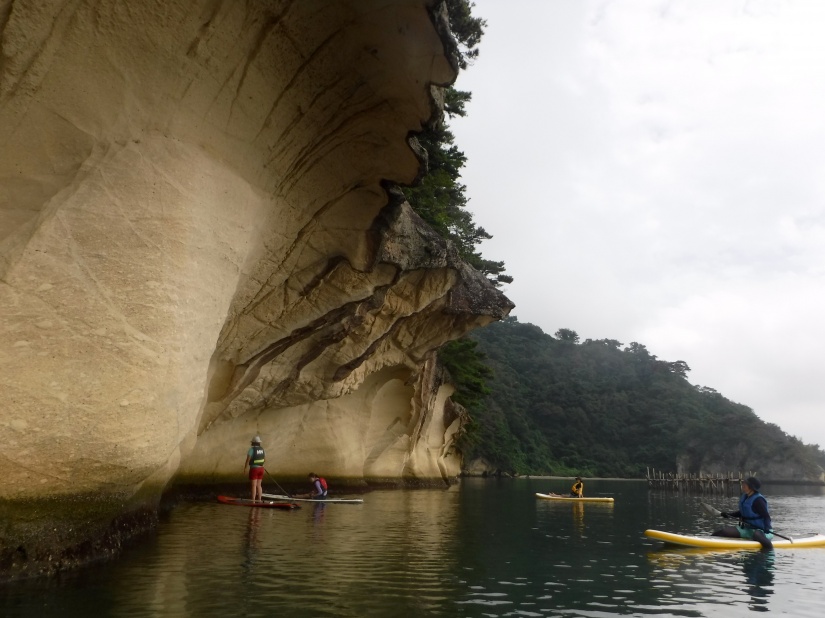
[
  {"x": 577, "y": 490},
  {"x": 754, "y": 517},
  {"x": 319, "y": 488},
  {"x": 255, "y": 457}
]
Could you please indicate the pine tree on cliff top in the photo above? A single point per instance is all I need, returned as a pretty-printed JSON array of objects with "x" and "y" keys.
[{"x": 440, "y": 198}]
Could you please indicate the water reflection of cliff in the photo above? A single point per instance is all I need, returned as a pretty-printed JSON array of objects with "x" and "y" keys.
[{"x": 328, "y": 559}]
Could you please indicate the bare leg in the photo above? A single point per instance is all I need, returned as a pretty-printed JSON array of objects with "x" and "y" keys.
[
  {"x": 253, "y": 489},
  {"x": 258, "y": 490}
]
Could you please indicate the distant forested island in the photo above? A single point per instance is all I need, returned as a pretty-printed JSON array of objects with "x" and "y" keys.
[{"x": 545, "y": 404}]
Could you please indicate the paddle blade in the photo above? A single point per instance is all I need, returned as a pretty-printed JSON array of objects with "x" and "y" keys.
[{"x": 710, "y": 510}]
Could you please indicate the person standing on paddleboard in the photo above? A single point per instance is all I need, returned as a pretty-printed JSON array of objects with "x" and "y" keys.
[
  {"x": 255, "y": 457},
  {"x": 754, "y": 517}
]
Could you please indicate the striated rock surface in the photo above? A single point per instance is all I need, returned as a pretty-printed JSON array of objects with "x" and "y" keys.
[
  {"x": 199, "y": 242},
  {"x": 355, "y": 390}
]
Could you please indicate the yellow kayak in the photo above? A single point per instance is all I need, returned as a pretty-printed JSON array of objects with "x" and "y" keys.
[
  {"x": 571, "y": 499},
  {"x": 718, "y": 542}
]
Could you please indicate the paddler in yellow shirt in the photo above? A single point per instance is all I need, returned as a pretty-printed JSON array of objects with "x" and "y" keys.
[{"x": 577, "y": 490}]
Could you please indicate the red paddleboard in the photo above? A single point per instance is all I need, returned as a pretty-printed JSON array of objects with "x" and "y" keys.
[{"x": 265, "y": 504}]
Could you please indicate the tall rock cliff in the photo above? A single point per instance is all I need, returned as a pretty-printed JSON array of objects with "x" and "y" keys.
[{"x": 199, "y": 241}]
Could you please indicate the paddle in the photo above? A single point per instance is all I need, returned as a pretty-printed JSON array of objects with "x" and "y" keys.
[
  {"x": 283, "y": 491},
  {"x": 717, "y": 513}
]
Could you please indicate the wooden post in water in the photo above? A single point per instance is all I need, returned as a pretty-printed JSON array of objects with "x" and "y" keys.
[{"x": 721, "y": 483}]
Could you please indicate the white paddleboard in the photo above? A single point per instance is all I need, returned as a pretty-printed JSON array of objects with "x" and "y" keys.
[{"x": 325, "y": 500}]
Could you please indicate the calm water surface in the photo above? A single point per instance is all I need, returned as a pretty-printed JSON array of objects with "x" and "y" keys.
[{"x": 485, "y": 548}]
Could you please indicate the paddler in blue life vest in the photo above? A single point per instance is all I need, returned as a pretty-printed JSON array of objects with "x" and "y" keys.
[
  {"x": 255, "y": 457},
  {"x": 754, "y": 517},
  {"x": 319, "y": 488}
]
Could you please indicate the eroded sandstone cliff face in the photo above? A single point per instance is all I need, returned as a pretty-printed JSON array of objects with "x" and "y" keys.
[
  {"x": 355, "y": 388},
  {"x": 199, "y": 242}
]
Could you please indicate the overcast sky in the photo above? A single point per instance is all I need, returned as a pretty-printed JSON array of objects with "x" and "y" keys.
[{"x": 654, "y": 171}]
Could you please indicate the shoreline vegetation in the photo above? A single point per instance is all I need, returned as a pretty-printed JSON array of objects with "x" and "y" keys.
[
  {"x": 559, "y": 406},
  {"x": 546, "y": 477},
  {"x": 551, "y": 477}
]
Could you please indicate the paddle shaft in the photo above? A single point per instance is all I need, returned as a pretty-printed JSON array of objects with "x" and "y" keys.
[
  {"x": 709, "y": 509},
  {"x": 283, "y": 491}
]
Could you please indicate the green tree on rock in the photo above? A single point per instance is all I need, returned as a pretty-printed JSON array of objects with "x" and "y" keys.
[
  {"x": 440, "y": 198},
  {"x": 595, "y": 408},
  {"x": 565, "y": 334}
]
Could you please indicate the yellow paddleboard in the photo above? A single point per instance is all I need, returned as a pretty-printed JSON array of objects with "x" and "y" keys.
[
  {"x": 571, "y": 499},
  {"x": 718, "y": 542}
]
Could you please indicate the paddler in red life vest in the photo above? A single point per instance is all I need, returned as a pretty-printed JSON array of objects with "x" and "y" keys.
[
  {"x": 319, "y": 487},
  {"x": 754, "y": 517},
  {"x": 255, "y": 457}
]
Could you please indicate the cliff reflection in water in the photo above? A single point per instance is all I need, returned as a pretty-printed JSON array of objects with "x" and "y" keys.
[
  {"x": 320, "y": 560},
  {"x": 486, "y": 548}
]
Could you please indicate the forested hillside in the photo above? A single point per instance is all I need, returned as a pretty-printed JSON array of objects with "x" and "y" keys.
[
  {"x": 599, "y": 407},
  {"x": 545, "y": 404}
]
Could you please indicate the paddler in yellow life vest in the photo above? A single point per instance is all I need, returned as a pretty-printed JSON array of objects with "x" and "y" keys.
[{"x": 577, "y": 490}]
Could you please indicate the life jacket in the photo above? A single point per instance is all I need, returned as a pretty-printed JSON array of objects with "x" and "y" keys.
[
  {"x": 578, "y": 488},
  {"x": 749, "y": 518},
  {"x": 323, "y": 482},
  {"x": 258, "y": 456}
]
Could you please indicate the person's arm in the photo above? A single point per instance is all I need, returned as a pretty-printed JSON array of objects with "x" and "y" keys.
[
  {"x": 318, "y": 490},
  {"x": 246, "y": 462},
  {"x": 760, "y": 507}
]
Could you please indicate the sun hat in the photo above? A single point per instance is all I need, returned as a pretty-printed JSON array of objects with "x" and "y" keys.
[{"x": 256, "y": 440}]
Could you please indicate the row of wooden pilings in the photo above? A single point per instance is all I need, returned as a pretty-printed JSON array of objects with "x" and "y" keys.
[{"x": 726, "y": 483}]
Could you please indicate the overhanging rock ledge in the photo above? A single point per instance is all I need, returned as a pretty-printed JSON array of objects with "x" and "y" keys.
[{"x": 199, "y": 241}]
